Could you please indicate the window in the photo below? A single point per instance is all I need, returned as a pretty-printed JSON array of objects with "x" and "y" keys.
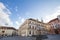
[
  {"x": 29, "y": 32},
  {"x": 3, "y": 31},
  {"x": 32, "y": 27}
]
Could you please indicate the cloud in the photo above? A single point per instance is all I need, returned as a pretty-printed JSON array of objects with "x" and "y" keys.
[
  {"x": 5, "y": 16},
  {"x": 53, "y": 15},
  {"x": 19, "y": 21}
]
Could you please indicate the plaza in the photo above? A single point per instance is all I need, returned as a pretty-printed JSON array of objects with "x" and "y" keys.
[{"x": 49, "y": 37}]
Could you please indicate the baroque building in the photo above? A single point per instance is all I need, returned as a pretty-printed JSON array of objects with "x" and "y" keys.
[{"x": 32, "y": 27}]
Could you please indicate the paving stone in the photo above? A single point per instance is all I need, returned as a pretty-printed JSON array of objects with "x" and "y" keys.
[{"x": 50, "y": 37}]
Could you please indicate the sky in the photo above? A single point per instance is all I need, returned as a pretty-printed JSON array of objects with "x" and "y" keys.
[{"x": 14, "y": 12}]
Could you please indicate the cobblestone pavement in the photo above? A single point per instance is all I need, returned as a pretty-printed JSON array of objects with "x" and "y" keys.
[
  {"x": 17, "y": 38},
  {"x": 50, "y": 37},
  {"x": 53, "y": 37}
]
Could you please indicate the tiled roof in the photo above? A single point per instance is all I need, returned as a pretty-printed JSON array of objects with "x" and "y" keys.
[
  {"x": 53, "y": 20},
  {"x": 4, "y": 27},
  {"x": 34, "y": 20}
]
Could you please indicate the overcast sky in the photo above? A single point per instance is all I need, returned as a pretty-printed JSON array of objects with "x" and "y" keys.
[{"x": 14, "y": 12}]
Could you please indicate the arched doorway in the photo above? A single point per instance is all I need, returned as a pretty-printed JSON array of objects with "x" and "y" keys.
[{"x": 56, "y": 31}]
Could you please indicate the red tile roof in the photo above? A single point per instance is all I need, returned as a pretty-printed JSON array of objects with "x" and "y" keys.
[{"x": 53, "y": 20}]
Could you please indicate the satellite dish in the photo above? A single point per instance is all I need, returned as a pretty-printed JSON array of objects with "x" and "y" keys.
[{"x": 58, "y": 17}]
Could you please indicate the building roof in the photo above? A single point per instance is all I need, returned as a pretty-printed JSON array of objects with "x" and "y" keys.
[
  {"x": 53, "y": 20},
  {"x": 34, "y": 20},
  {"x": 4, "y": 27}
]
